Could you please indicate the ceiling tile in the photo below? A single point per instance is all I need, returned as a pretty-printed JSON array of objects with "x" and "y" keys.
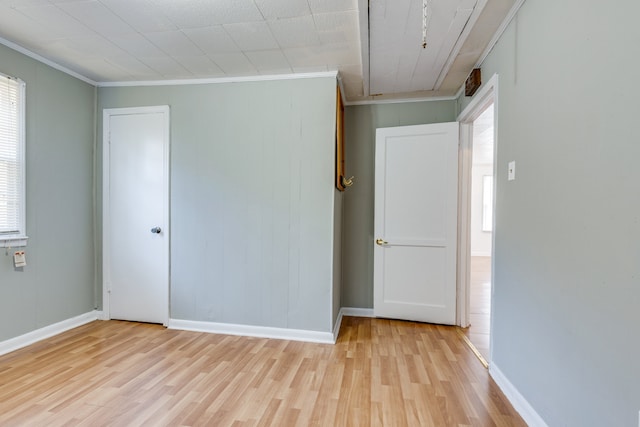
[
  {"x": 200, "y": 66},
  {"x": 99, "y": 70},
  {"x": 22, "y": 3},
  {"x": 136, "y": 44},
  {"x": 174, "y": 43},
  {"x": 306, "y": 56},
  {"x": 85, "y": 47},
  {"x": 234, "y": 64},
  {"x": 202, "y": 13},
  {"x": 22, "y": 30},
  {"x": 167, "y": 67},
  {"x": 234, "y": 11},
  {"x": 252, "y": 35},
  {"x": 295, "y": 32},
  {"x": 267, "y": 61},
  {"x": 341, "y": 53},
  {"x": 59, "y": 23},
  {"x": 140, "y": 15},
  {"x": 212, "y": 39},
  {"x": 133, "y": 66},
  {"x": 310, "y": 69},
  {"x": 338, "y": 26},
  {"x": 320, "y": 6},
  {"x": 272, "y": 10},
  {"x": 192, "y": 14},
  {"x": 97, "y": 17},
  {"x": 350, "y": 71}
]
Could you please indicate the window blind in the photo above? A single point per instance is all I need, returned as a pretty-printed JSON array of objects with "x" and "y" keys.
[{"x": 11, "y": 158}]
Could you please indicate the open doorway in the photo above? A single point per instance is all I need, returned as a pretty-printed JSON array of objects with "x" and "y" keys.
[
  {"x": 481, "y": 229},
  {"x": 476, "y": 220}
]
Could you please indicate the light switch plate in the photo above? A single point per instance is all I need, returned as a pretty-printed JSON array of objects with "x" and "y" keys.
[{"x": 512, "y": 171}]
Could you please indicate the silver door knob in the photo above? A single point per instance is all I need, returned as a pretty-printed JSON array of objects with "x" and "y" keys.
[{"x": 156, "y": 230}]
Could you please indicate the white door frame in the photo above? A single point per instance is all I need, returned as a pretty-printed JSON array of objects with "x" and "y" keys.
[
  {"x": 106, "y": 202},
  {"x": 486, "y": 95}
]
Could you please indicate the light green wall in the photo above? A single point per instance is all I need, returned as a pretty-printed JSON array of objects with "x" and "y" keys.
[
  {"x": 58, "y": 281},
  {"x": 252, "y": 199},
  {"x": 361, "y": 122},
  {"x": 567, "y": 241}
]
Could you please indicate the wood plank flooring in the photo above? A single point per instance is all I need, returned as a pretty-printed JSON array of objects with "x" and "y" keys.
[
  {"x": 480, "y": 305},
  {"x": 380, "y": 373}
]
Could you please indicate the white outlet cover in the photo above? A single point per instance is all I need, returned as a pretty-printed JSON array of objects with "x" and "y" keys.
[{"x": 512, "y": 171}]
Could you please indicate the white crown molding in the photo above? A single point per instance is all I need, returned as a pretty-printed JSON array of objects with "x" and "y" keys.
[
  {"x": 252, "y": 331},
  {"x": 401, "y": 100},
  {"x": 519, "y": 403},
  {"x": 216, "y": 80},
  {"x": 46, "y": 61},
  {"x": 29, "y": 338}
]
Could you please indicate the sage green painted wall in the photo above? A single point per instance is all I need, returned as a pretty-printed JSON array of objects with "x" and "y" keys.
[
  {"x": 361, "y": 122},
  {"x": 252, "y": 199},
  {"x": 566, "y": 299},
  {"x": 58, "y": 281}
]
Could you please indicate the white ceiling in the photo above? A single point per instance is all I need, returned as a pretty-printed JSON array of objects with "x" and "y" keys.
[
  {"x": 483, "y": 138},
  {"x": 398, "y": 62},
  {"x": 376, "y": 50}
]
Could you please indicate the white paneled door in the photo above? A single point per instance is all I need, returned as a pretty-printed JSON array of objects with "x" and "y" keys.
[
  {"x": 136, "y": 214},
  {"x": 416, "y": 189}
]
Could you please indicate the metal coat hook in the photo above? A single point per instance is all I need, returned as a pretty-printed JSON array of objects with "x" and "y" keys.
[{"x": 347, "y": 182}]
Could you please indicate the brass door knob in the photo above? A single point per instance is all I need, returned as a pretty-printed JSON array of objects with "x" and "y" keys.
[{"x": 381, "y": 242}]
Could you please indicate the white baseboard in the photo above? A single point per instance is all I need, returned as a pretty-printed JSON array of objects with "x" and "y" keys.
[
  {"x": 357, "y": 312},
  {"x": 520, "y": 404},
  {"x": 252, "y": 331},
  {"x": 29, "y": 338},
  {"x": 336, "y": 327}
]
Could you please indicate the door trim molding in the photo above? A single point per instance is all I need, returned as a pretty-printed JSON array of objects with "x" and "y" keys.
[
  {"x": 486, "y": 95},
  {"x": 106, "y": 202}
]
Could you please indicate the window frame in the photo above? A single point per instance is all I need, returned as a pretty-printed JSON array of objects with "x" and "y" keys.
[{"x": 19, "y": 239}]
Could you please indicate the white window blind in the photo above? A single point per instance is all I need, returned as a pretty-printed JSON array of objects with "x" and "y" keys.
[{"x": 12, "y": 203}]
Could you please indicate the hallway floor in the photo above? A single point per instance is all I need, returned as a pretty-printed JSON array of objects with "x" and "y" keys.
[{"x": 480, "y": 305}]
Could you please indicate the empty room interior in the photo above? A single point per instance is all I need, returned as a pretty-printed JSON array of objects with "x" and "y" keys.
[{"x": 262, "y": 212}]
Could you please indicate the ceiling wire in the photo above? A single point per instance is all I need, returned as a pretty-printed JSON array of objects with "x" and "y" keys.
[{"x": 425, "y": 6}]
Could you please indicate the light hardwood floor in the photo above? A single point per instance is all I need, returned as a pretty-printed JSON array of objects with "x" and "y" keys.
[
  {"x": 380, "y": 373},
  {"x": 480, "y": 305}
]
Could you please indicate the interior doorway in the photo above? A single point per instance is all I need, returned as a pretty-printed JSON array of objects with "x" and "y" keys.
[
  {"x": 476, "y": 220},
  {"x": 481, "y": 231},
  {"x": 136, "y": 214}
]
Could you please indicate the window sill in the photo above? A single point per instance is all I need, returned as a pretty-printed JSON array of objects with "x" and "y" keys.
[{"x": 13, "y": 242}]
